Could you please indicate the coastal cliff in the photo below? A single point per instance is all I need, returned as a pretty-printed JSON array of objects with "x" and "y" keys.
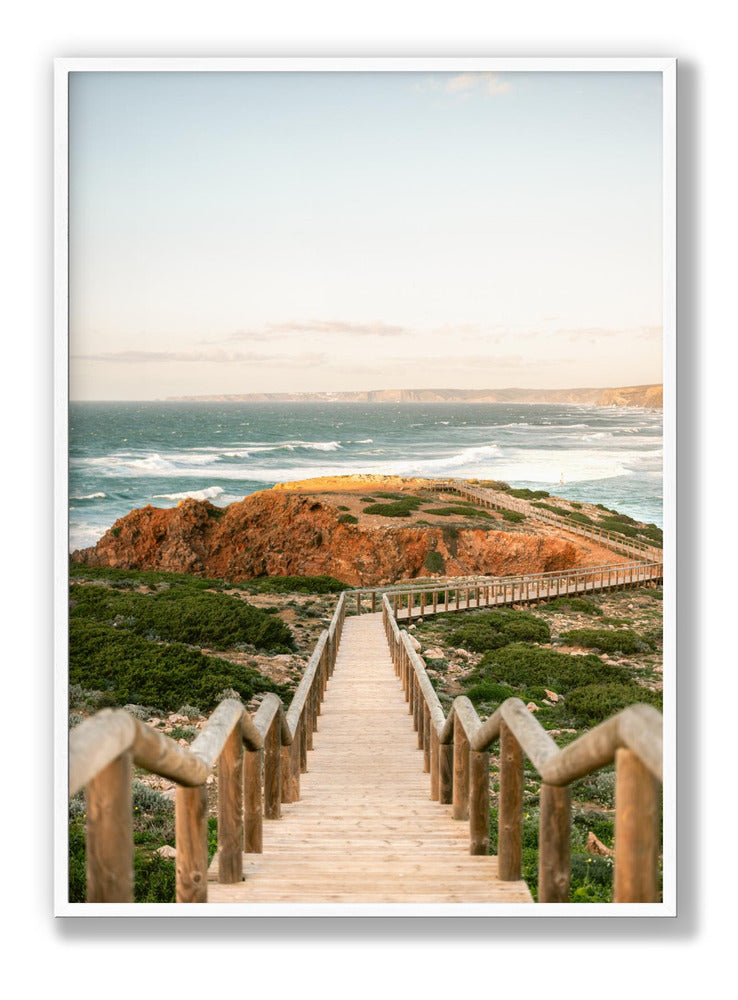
[
  {"x": 290, "y": 533},
  {"x": 649, "y": 396}
]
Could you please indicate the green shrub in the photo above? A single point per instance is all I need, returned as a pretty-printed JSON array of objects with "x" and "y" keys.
[
  {"x": 403, "y": 506},
  {"x": 197, "y": 618},
  {"x": 575, "y": 515},
  {"x": 620, "y": 528},
  {"x": 529, "y": 666},
  {"x": 128, "y": 668},
  {"x": 460, "y": 510},
  {"x": 495, "y": 629},
  {"x": 342, "y": 506},
  {"x": 619, "y": 640},
  {"x": 598, "y": 787},
  {"x": 523, "y": 494},
  {"x": 594, "y": 703},
  {"x": 513, "y": 515},
  {"x": 434, "y": 562},
  {"x": 347, "y": 519},
  {"x": 488, "y": 692},
  {"x": 572, "y": 604},
  {"x": 154, "y": 878},
  {"x": 296, "y": 585}
]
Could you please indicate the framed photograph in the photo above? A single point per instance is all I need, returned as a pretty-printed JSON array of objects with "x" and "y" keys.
[{"x": 365, "y": 487}]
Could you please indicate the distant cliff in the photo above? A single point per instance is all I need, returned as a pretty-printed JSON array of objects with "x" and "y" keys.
[{"x": 634, "y": 395}]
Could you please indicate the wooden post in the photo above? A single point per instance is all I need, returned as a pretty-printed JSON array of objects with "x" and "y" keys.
[
  {"x": 394, "y": 605},
  {"x": 290, "y": 762},
  {"x": 435, "y": 782},
  {"x": 302, "y": 729},
  {"x": 422, "y": 603},
  {"x": 554, "y": 845},
  {"x": 419, "y": 701},
  {"x": 191, "y": 838},
  {"x": 445, "y": 773},
  {"x": 510, "y": 839},
  {"x": 461, "y": 772},
  {"x": 252, "y": 806},
  {"x": 273, "y": 771},
  {"x": 637, "y": 812},
  {"x": 445, "y": 599},
  {"x": 374, "y": 601},
  {"x": 479, "y": 803},
  {"x": 230, "y": 809},
  {"x": 109, "y": 833},
  {"x": 435, "y": 601},
  {"x": 426, "y": 737}
]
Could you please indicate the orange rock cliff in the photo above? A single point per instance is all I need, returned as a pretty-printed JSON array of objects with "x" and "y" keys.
[{"x": 290, "y": 533}]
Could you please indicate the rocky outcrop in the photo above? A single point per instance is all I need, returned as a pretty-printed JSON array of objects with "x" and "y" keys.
[{"x": 277, "y": 533}]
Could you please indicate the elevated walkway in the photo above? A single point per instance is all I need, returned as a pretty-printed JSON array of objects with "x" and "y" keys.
[{"x": 365, "y": 828}]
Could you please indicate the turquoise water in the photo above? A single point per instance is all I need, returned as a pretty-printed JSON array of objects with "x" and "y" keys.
[{"x": 126, "y": 455}]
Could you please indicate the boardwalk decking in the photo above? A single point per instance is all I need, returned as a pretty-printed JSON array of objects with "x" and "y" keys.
[{"x": 365, "y": 829}]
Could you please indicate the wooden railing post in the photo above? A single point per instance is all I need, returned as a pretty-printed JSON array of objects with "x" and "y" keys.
[
  {"x": 273, "y": 771},
  {"x": 637, "y": 811},
  {"x": 479, "y": 803},
  {"x": 252, "y": 804},
  {"x": 461, "y": 772},
  {"x": 510, "y": 840},
  {"x": 291, "y": 769},
  {"x": 435, "y": 782},
  {"x": 108, "y": 801},
  {"x": 230, "y": 809},
  {"x": 554, "y": 845},
  {"x": 426, "y": 737},
  {"x": 191, "y": 837},
  {"x": 445, "y": 773}
]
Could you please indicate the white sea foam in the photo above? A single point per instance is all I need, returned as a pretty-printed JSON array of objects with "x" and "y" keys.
[
  {"x": 207, "y": 494},
  {"x": 91, "y": 496}
]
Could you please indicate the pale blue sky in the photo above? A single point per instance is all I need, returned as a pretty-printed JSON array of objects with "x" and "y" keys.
[{"x": 240, "y": 232}]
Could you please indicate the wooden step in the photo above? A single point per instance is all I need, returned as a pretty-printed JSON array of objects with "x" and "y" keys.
[{"x": 365, "y": 829}]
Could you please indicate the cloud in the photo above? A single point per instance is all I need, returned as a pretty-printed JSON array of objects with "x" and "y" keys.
[
  {"x": 376, "y": 328},
  {"x": 204, "y": 357},
  {"x": 488, "y": 84}
]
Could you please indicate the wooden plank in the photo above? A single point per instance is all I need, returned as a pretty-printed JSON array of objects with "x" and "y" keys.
[{"x": 365, "y": 827}]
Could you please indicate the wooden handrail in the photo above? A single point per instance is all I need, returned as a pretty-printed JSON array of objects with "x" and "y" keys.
[
  {"x": 632, "y": 739},
  {"x": 270, "y": 746},
  {"x": 497, "y": 591},
  {"x": 500, "y": 500}
]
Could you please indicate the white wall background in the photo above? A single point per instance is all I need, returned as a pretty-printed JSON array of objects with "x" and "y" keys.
[{"x": 602, "y": 958}]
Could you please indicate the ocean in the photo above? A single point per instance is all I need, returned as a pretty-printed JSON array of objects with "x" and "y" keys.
[{"x": 125, "y": 455}]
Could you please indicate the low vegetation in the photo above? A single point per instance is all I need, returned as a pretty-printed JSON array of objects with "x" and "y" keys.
[{"x": 490, "y": 656}]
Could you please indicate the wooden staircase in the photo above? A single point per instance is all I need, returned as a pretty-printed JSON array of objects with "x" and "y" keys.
[{"x": 365, "y": 829}]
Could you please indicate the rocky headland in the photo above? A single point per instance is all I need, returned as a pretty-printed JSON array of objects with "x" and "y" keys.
[{"x": 347, "y": 528}]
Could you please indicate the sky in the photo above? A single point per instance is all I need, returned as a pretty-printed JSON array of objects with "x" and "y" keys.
[{"x": 236, "y": 232}]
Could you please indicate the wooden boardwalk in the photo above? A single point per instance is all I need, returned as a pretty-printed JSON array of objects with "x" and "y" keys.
[{"x": 365, "y": 829}]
